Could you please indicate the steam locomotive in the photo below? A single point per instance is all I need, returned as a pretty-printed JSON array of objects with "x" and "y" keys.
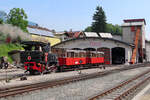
[{"x": 37, "y": 57}]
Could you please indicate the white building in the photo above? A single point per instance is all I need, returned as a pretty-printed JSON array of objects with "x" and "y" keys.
[{"x": 117, "y": 49}]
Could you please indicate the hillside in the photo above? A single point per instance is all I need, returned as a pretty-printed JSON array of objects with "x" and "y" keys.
[{"x": 5, "y": 48}]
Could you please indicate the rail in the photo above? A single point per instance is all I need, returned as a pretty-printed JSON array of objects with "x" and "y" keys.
[{"x": 113, "y": 92}]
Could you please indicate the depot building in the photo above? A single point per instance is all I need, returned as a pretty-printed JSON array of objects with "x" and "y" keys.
[
  {"x": 113, "y": 49},
  {"x": 117, "y": 49}
]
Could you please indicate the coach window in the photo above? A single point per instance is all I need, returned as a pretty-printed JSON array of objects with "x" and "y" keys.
[
  {"x": 88, "y": 54},
  {"x": 98, "y": 55},
  {"x": 102, "y": 55},
  {"x": 81, "y": 54},
  {"x": 68, "y": 54},
  {"x": 77, "y": 55},
  {"x": 84, "y": 54},
  {"x": 72, "y": 54},
  {"x": 93, "y": 55}
]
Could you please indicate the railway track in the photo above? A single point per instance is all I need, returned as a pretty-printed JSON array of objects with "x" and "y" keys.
[
  {"x": 125, "y": 89},
  {"x": 15, "y": 76},
  {"x": 37, "y": 86}
]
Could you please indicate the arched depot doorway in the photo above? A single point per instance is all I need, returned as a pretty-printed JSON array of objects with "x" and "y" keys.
[{"x": 118, "y": 55}]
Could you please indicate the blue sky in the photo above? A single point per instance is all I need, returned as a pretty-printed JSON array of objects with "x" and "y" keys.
[{"x": 77, "y": 14}]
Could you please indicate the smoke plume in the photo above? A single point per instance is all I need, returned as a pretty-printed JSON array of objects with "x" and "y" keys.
[{"x": 14, "y": 32}]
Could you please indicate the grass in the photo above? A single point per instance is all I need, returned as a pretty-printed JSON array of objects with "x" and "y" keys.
[{"x": 5, "y": 48}]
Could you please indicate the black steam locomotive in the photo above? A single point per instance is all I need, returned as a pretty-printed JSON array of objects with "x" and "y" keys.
[{"x": 36, "y": 57}]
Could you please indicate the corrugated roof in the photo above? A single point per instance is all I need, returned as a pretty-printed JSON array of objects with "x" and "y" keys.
[
  {"x": 40, "y": 31},
  {"x": 105, "y": 35},
  {"x": 91, "y": 34}
]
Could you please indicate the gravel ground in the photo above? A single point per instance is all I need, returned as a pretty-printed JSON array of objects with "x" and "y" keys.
[
  {"x": 80, "y": 90},
  {"x": 48, "y": 77},
  {"x": 10, "y": 72}
]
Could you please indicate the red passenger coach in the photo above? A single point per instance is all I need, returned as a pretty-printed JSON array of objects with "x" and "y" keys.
[
  {"x": 95, "y": 57},
  {"x": 75, "y": 57},
  {"x": 70, "y": 59}
]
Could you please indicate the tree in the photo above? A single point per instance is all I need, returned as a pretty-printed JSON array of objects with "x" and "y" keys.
[
  {"x": 118, "y": 30},
  {"x": 18, "y": 17},
  {"x": 1, "y": 21},
  {"x": 99, "y": 24},
  {"x": 110, "y": 28},
  {"x": 88, "y": 29},
  {"x": 114, "y": 29}
]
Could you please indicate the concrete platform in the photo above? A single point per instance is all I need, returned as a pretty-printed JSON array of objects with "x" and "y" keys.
[{"x": 144, "y": 94}]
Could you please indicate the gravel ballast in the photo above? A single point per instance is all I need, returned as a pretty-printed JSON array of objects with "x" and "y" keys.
[{"x": 80, "y": 90}]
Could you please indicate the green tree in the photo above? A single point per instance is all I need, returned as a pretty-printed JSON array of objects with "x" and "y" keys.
[
  {"x": 88, "y": 29},
  {"x": 110, "y": 28},
  {"x": 18, "y": 17},
  {"x": 99, "y": 24},
  {"x": 1, "y": 21},
  {"x": 118, "y": 30},
  {"x": 114, "y": 29}
]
